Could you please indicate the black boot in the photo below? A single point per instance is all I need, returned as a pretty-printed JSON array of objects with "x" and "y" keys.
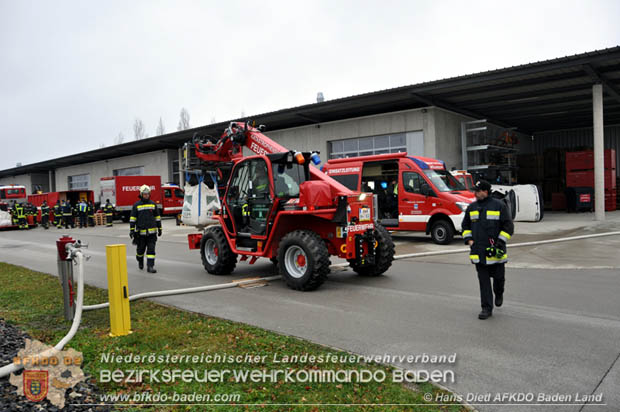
[
  {"x": 141, "y": 264},
  {"x": 499, "y": 300},
  {"x": 485, "y": 314},
  {"x": 151, "y": 269}
]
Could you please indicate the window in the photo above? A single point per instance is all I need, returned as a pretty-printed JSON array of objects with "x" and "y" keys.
[
  {"x": 79, "y": 182},
  {"x": 286, "y": 180},
  {"x": 350, "y": 181},
  {"x": 367, "y": 146},
  {"x": 179, "y": 193},
  {"x": 129, "y": 171},
  {"x": 413, "y": 182},
  {"x": 167, "y": 193},
  {"x": 443, "y": 180}
]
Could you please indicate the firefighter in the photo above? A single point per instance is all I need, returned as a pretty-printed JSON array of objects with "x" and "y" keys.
[
  {"x": 144, "y": 228},
  {"x": 21, "y": 216},
  {"x": 74, "y": 214},
  {"x": 14, "y": 218},
  {"x": 83, "y": 213},
  {"x": 67, "y": 215},
  {"x": 58, "y": 214},
  {"x": 91, "y": 214},
  {"x": 29, "y": 210},
  {"x": 487, "y": 226},
  {"x": 45, "y": 215},
  {"x": 108, "y": 209}
]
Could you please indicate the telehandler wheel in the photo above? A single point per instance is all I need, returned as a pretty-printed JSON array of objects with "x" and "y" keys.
[
  {"x": 217, "y": 257},
  {"x": 384, "y": 254},
  {"x": 303, "y": 260}
]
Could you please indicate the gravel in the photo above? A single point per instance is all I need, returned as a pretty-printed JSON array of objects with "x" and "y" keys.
[{"x": 11, "y": 341}]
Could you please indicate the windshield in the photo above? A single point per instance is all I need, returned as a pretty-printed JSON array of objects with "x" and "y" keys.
[{"x": 444, "y": 181}]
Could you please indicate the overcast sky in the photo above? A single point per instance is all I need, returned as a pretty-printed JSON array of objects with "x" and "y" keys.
[{"x": 73, "y": 74}]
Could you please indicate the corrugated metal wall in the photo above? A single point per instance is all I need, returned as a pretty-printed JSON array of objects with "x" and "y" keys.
[{"x": 577, "y": 138}]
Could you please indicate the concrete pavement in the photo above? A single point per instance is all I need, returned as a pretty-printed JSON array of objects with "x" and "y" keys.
[{"x": 558, "y": 332}]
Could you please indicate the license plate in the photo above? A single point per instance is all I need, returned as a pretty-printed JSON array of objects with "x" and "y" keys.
[{"x": 364, "y": 214}]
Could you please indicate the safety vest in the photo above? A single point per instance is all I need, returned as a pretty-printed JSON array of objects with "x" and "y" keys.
[
  {"x": 20, "y": 211},
  {"x": 83, "y": 207}
]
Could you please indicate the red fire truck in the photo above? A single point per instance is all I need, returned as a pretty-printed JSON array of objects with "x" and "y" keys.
[
  {"x": 414, "y": 193},
  {"x": 11, "y": 193},
  {"x": 123, "y": 192}
]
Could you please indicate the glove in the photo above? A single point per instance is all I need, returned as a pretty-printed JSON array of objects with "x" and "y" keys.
[{"x": 159, "y": 232}]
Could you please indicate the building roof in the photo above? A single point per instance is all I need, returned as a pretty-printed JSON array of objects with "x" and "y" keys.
[{"x": 547, "y": 95}]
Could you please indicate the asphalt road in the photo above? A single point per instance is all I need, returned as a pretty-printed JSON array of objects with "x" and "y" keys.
[{"x": 557, "y": 333}]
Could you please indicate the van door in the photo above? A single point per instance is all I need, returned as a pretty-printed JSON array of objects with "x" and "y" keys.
[
  {"x": 414, "y": 206},
  {"x": 381, "y": 178}
]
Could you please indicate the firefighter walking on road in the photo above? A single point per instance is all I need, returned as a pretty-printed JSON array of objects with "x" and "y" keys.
[
  {"x": 144, "y": 228},
  {"x": 108, "y": 209},
  {"x": 487, "y": 226},
  {"x": 45, "y": 215}
]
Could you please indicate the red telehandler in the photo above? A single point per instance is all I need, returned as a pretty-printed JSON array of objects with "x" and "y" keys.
[{"x": 276, "y": 205}]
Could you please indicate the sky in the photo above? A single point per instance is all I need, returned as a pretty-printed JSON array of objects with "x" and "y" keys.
[{"x": 75, "y": 74}]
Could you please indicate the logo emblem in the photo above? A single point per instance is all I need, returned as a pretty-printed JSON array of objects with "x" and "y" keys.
[{"x": 35, "y": 385}]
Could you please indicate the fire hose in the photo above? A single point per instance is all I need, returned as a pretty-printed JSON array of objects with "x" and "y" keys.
[{"x": 78, "y": 255}]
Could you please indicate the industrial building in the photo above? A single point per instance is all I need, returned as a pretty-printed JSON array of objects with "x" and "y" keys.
[{"x": 511, "y": 125}]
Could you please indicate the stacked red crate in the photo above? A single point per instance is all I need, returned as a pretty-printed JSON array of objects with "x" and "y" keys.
[{"x": 580, "y": 173}]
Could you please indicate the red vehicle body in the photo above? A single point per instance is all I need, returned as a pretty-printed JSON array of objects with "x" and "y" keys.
[
  {"x": 300, "y": 218},
  {"x": 414, "y": 193},
  {"x": 123, "y": 192},
  {"x": 73, "y": 196},
  {"x": 10, "y": 194}
]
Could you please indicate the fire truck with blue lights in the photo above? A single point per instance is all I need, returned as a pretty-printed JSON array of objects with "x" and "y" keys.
[{"x": 276, "y": 205}]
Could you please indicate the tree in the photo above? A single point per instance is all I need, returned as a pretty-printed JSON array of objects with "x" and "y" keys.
[
  {"x": 120, "y": 138},
  {"x": 138, "y": 129},
  {"x": 160, "y": 128},
  {"x": 183, "y": 120},
  {"x": 212, "y": 120},
  {"x": 101, "y": 146}
]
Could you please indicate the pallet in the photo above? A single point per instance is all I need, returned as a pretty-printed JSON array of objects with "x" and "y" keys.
[{"x": 100, "y": 219}]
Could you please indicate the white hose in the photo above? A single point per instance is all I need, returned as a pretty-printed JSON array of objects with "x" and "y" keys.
[
  {"x": 170, "y": 292},
  {"x": 12, "y": 367},
  {"x": 523, "y": 244}
]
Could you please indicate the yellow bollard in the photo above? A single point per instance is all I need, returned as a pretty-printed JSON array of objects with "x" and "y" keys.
[{"x": 118, "y": 290}]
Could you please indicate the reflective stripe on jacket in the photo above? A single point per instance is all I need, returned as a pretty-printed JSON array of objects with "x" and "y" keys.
[
  {"x": 487, "y": 221},
  {"x": 145, "y": 218}
]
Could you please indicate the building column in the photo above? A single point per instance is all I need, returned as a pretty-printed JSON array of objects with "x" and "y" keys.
[
  {"x": 599, "y": 147},
  {"x": 50, "y": 179},
  {"x": 181, "y": 172}
]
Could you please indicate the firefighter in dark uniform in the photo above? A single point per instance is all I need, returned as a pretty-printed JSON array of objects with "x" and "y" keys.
[
  {"x": 14, "y": 218},
  {"x": 487, "y": 226},
  {"x": 74, "y": 214},
  {"x": 144, "y": 228},
  {"x": 108, "y": 209},
  {"x": 30, "y": 210},
  {"x": 67, "y": 214},
  {"x": 91, "y": 214},
  {"x": 45, "y": 215},
  {"x": 83, "y": 213},
  {"x": 57, "y": 214},
  {"x": 21, "y": 216}
]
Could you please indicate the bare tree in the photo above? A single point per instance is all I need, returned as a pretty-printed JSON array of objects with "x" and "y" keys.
[
  {"x": 120, "y": 138},
  {"x": 212, "y": 120},
  {"x": 242, "y": 113},
  {"x": 138, "y": 129},
  {"x": 183, "y": 120},
  {"x": 160, "y": 128},
  {"x": 101, "y": 146}
]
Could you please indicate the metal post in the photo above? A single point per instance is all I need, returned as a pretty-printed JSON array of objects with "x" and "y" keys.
[
  {"x": 181, "y": 173},
  {"x": 599, "y": 161},
  {"x": 464, "y": 145},
  {"x": 118, "y": 290}
]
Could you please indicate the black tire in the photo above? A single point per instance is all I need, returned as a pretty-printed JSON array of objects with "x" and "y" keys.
[
  {"x": 224, "y": 261},
  {"x": 124, "y": 217},
  {"x": 384, "y": 255},
  {"x": 442, "y": 232},
  {"x": 315, "y": 268}
]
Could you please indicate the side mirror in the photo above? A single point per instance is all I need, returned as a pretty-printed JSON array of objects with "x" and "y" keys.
[{"x": 425, "y": 189}]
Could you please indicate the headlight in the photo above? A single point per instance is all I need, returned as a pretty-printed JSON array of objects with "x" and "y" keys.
[
  {"x": 362, "y": 196},
  {"x": 462, "y": 205}
]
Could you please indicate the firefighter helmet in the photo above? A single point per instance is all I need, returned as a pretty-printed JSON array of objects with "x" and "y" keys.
[{"x": 145, "y": 189}]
